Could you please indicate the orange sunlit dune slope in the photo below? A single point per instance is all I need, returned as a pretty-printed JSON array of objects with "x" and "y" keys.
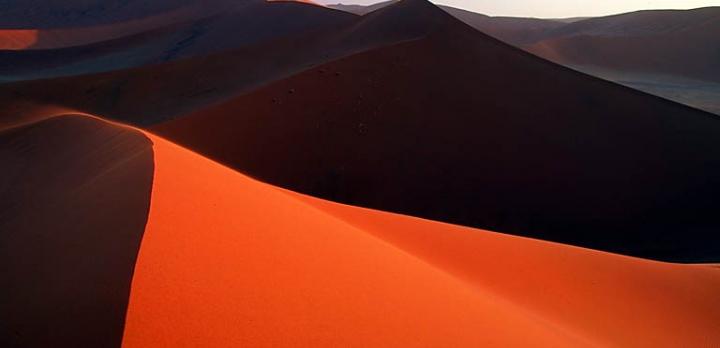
[{"x": 228, "y": 261}]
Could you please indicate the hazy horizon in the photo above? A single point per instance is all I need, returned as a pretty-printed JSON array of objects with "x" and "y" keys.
[{"x": 554, "y": 8}]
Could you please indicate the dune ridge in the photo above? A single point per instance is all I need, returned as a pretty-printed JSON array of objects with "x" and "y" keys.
[
  {"x": 459, "y": 127},
  {"x": 261, "y": 243},
  {"x": 75, "y": 198},
  {"x": 227, "y": 260}
]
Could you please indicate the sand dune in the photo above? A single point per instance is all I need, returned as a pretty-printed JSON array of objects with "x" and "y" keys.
[
  {"x": 226, "y": 260},
  {"x": 571, "y": 284},
  {"x": 245, "y": 24},
  {"x": 147, "y": 94},
  {"x": 362, "y": 9},
  {"x": 518, "y": 145},
  {"x": 672, "y": 54},
  {"x": 681, "y": 43},
  {"x": 514, "y": 30},
  {"x": 112, "y": 236},
  {"x": 69, "y": 35},
  {"x": 61, "y": 37},
  {"x": 64, "y": 14},
  {"x": 75, "y": 198},
  {"x": 642, "y": 50}
]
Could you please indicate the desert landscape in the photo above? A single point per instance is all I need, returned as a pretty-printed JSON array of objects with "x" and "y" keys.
[{"x": 225, "y": 173}]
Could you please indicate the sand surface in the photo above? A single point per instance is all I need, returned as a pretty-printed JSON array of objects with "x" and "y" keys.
[
  {"x": 230, "y": 261},
  {"x": 462, "y": 128},
  {"x": 75, "y": 198}
]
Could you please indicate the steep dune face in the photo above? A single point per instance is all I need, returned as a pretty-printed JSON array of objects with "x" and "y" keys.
[
  {"x": 229, "y": 261},
  {"x": 517, "y": 145},
  {"x": 226, "y": 260},
  {"x": 514, "y": 30},
  {"x": 244, "y": 25},
  {"x": 75, "y": 198}
]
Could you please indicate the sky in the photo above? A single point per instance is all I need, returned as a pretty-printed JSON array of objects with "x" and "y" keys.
[{"x": 556, "y": 8}]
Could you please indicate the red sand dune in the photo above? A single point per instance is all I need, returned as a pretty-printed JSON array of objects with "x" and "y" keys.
[
  {"x": 226, "y": 260},
  {"x": 229, "y": 261},
  {"x": 461, "y": 128}
]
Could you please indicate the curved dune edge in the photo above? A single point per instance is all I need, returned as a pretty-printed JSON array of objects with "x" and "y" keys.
[
  {"x": 612, "y": 299},
  {"x": 227, "y": 260},
  {"x": 75, "y": 198}
]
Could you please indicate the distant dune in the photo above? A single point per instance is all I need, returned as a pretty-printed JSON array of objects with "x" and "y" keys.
[
  {"x": 682, "y": 43},
  {"x": 70, "y": 36},
  {"x": 362, "y": 9},
  {"x": 669, "y": 53},
  {"x": 149, "y": 93},
  {"x": 461, "y": 128},
  {"x": 515, "y": 30},
  {"x": 226, "y": 261},
  {"x": 241, "y": 26},
  {"x": 64, "y": 14},
  {"x": 672, "y": 54}
]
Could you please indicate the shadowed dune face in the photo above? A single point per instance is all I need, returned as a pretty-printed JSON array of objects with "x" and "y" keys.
[
  {"x": 62, "y": 37},
  {"x": 516, "y": 31},
  {"x": 651, "y": 46},
  {"x": 227, "y": 261},
  {"x": 75, "y": 198},
  {"x": 682, "y": 43},
  {"x": 55, "y": 14},
  {"x": 518, "y": 145}
]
